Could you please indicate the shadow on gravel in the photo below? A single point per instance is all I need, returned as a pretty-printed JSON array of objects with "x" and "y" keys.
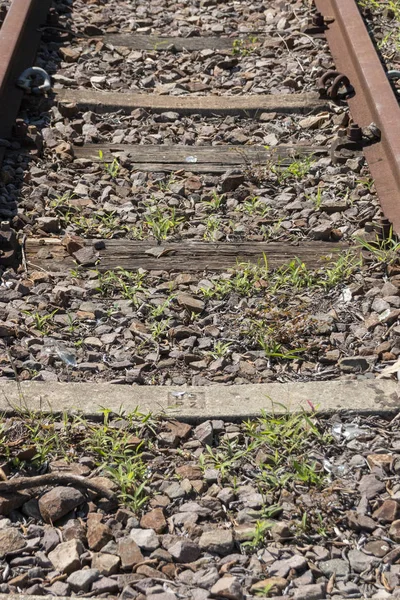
[
  {"x": 25, "y": 148},
  {"x": 371, "y": 23}
]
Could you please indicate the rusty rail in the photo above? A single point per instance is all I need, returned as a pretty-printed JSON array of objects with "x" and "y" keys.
[
  {"x": 352, "y": 50},
  {"x": 19, "y": 41},
  {"x": 374, "y": 100}
]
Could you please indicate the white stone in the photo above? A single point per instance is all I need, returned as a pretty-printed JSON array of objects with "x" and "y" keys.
[{"x": 145, "y": 538}]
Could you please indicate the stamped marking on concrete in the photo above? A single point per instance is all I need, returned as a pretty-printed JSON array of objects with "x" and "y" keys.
[
  {"x": 370, "y": 396},
  {"x": 178, "y": 400}
]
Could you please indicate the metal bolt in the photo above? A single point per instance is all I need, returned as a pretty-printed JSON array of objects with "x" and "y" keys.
[
  {"x": 354, "y": 133},
  {"x": 318, "y": 20},
  {"x": 20, "y": 128},
  {"x": 384, "y": 229},
  {"x": 386, "y": 225},
  {"x": 52, "y": 17}
]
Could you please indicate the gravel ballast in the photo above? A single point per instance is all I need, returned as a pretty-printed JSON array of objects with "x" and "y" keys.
[
  {"x": 158, "y": 327},
  {"x": 289, "y": 506}
]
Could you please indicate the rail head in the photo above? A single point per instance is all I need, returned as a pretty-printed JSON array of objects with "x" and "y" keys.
[
  {"x": 374, "y": 101},
  {"x": 19, "y": 41}
]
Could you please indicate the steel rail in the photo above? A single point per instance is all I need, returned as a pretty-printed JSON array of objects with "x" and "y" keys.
[
  {"x": 19, "y": 41},
  {"x": 374, "y": 100}
]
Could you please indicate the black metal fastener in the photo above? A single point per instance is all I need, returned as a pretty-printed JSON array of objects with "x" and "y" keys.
[
  {"x": 318, "y": 19},
  {"x": 354, "y": 133},
  {"x": 339, "y": 80}
]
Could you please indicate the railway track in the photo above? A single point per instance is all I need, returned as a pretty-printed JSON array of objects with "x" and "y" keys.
[
  {"x": 159, "y": 163},
  {"x": 198, "y": 220}
]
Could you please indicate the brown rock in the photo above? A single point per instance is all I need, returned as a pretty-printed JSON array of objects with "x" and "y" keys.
[
  {"x": 11, "y": 540},
  {"x": 383, "y": 461},
  {"x": 59, "y": 501},
  {"x": 392, "y": 317},
  {"x": 137, "y": 327},
  {"x": 387, "y": 512},
  {"x": 184, "y": 551},
  {"x": 281, "y": 532},
  {"x": 314, "y": 121},
  {"x": 360, "y": 522},
  {"x": 129, "y": 553},
  {"x": 105, "y": 586},
  {"x": 193, "y": 305},
  {"x": 393, "y": 556},
  {"x": 9, "y": 502},
  {"x": 370, "y": 486},
  {"x": 48, "y": 224},
  {"x": 244, "y": 532},
  {"x": 66, "y": 556},
  {"x": 217, "y": 541},
  {"x": 182, "y": 332},
  {"x": 383, "y": 347},
  {"x": 133, "y": 442},
  {"x": 371, "y": 322},
  {"x": 168, "y": 439},
  {"x": 127, "y": 579},
  {"x": 86, "y": 256},
  {"x": 83, "y": 315},
  {"x": 184, "y": 279},
  {"x": 69, "y": 54},
  {"x": 191, "y": 472},
  {"x": 391, "y": 580},
  {"x": 394, "y": 271},
  {"x": 227, "y": 587},
  {"x": 98, "y": 535},
  {"x": 72, "y": 243},
  {"x": 148, "y": 571},
  {"x": 192, "y": 184},
  {"x": 7, "y": 329},
  {"x": 394, "y": 531},
  {"x": 39, "y": 277},
  {"x": 169, "y": 570},
  {"x": 73, "y": 530},
  {"x": 231, "y": 181},
  {"x": 377, "y": 548},
  {"x": 104, "y": 482},
  {"x": 181, "y": 430},
  {"x": 274, "y": 585},
  {"x": 27, "y": 453},
  {"x": 199, "y": 485},
  {"x": 246, "y": 368},
  {"x": 95, "y": 517},
  {"x": 160, "y": 501},
  {"x": 106, "y": 564},
  {"x": 154, "y": 520},
  {"x": 65, "y": 151}
]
